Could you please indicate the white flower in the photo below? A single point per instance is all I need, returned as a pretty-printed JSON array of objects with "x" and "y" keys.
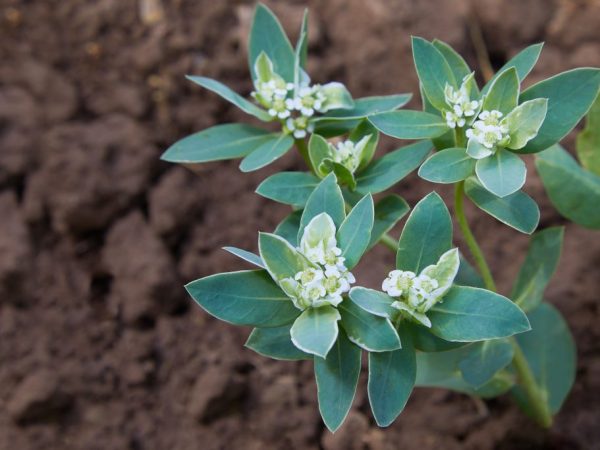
[
  {"x": 349, "y": 153},
  {"x": 461, "y": 106},
  {"x": 398, "y": 282},
  {"x": 488, "y": 130}
]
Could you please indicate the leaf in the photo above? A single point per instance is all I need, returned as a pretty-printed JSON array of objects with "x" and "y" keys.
[
  {"x": 467, "y": 275},
  {"x": 336, "y": 97},
  {"x": 318, "y": 150},
  {"x": 275, "y": 343},
  {"x": 433, "y": 71},
  {"x": 374, "y": 302},
  {"x": 525, "y": 121},
  {"x": 267, "y": 152},
  {"x": 570, "y": 95},
  {"x": 484, "y": 359},
  {"x": 267, "y": 35},
  {"x": 246, "y": 256},
  {"x": 457, "y": 64},
  {"x": 572, "y": 190},
  {"x": 523, "y": 62},
  {"x": 470, "y": 314},
  {"x": 588, "y": 141},
  {"x": 503, "y": 93},
  {"x": 537, "y": 269},
  {"x": 219, "y": 88},
  {"x": 281, "y": 259},
  {"x": 370, "y": 332},
  {"x": 407, "y": 124},
  {"x": 248, "y": 297},
  {"x": 502, "y": 173},
  {"x": 343, "y": 175},
  {"x": 392, "y": 167},
  {"x": 290, "y": 188},
  {"x": 316, "y": 330},
  {"x": 447, "y": 166},
  {"x": 517, "y": 210},
  {"x": 354, "y": 234},
  {"x": 391, "y": 380},
  {"x": 337, "y": 378},
  {"x": 427, "y": 235},
  {"x": 550, "y": 351},
  {"x": 327, "y": 198},
  {"x": 367, "y": 106},
  {"x": 229, "y": 141},
  {"x": 388, "y": 211},
  {"x": 365, "y": 128},
  {"x": 288, "y": 228},
  {"x": 425, "y": 341},
  {"x": 301, "y": 52}
]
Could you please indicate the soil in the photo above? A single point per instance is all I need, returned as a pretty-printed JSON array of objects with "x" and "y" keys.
[{"x": 99, "y": 346}]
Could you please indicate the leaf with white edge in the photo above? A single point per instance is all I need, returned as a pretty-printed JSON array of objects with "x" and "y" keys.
[
  {"x": 246, "y": 256},
  {"x": 275, "y": 343},
  {"x": 407, "y": 124},
  {"x": 425, "y": 341},
  {"x": 280, "y": 258},
  {"x": 354, "y": 234},
  {"x": 336, "y": 97},
  {"x": 318, "y": 150},
  {"x": 367, "y": 106},
  {"x": 467, "y": 275},
  {"x": 388, "y": 211},
  {"x": 503, "y": 94},
  {"x": 363, "y": 130},
  {"x": 267, "y": 35},
  {"x": 267, "y": 152},
  {"x": 570, "y": 95},
  {"x": 337, "y": 378},
  {"x": 502, "y": 173},
  {"x": 469, "y": 314},
  {"x": 301, "y": 50},
  {"x": 477, "y": 150},
  {"x": 370, "y": 332},
  {"x": 433, "y": 71},
  {"x": 444, "y": 270},
  {"x": 573, "y": 191},
  {"x": 229, "y": 141},
  {"x": 290, "y": 188},
  {"x": 447, "y": 166},
  {"x": 343, "y": 175},
  {"x": 392, "y": 377},
  {"x": 392, "y": 167},
  {"x": 517, "y": 210},
  {"x": 248, "y": 297},
  {"x": 426, "y": 236},
  {"x": 550, "y": 351},
  {"x": 457, "y": 64},
  {"x": 374, "y": 302},
  {"x": 231, "y": 96},
  {"x": 588, "y": 141},
  {"x": 523, "y": 62},
  {"x": 525, "y": 121},
  {"x": 327, "y": 197},
  {"x": 537, "y": 269},
  {"x": 316, "y": 330},
  {"x": 288, "y": 228},
  {"x": 484, "y": 359}
]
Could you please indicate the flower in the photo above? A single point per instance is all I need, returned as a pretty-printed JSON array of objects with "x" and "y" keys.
[
  {"x": 488, "y": 130},
  {"x": 349, "y": 153},
  {"x": 460, "y": 104}
]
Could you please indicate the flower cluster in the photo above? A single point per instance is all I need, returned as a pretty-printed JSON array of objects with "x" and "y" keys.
[
  {"x": 349, "y": 153},
  {"x": 461, "y": 105},
  {"x": 326, "y": 279},
  {"x": 489, "y": 130}
]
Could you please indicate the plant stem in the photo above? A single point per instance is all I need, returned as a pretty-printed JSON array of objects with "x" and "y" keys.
[
  {"x": 460, "y": 140},
  {"x": 474, "y": 248},
  {"x": 303, "y": 150},
  {"x": 389, "y": 242}
]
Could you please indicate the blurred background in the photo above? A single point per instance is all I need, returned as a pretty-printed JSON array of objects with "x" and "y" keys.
[{"x": 99, "y": 346}]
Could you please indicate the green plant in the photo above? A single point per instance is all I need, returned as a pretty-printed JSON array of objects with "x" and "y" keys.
[{"x": 437, "y": 321}]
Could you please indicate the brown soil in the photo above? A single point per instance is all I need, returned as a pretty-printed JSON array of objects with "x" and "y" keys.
[{"x": 99, "y": 346}]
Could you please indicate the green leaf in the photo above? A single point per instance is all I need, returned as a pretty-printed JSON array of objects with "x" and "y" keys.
[
  {"x": 367, "y": 106},
  {"x": 301, "y": 52},
  {"x": 318, "y": 150},
  {"x": 550, "y": 351},
  {"x": 457, "y": 64},
  {"x": 374, "y": 302},
  {"x": 343, "y": 175},
  {"x": 267, "y": 152},
  {"x": 267, "y": 35},
  {"x": 470, "y": 314},
  {"x": 229, "y": 141},
  {"x": 525, "y": 121},
  {"x": 425, "y": 341},
  {"x": 484, "y": 359},
  {"x": 246, "y": 256},
  {"x": 570, "y": 95},
  {"x": 290, "y": 188},
  {"x": 517, "y": 210},
  {"x": 433, "y": 71},
  {"x": 391, "y": 380},
  {"x": 502, "y": 173},
  {"x": 388, "y": 211},
  {"x": 354, "y": 234},
  {"x": 337, "y": 378},
  {"x": 588, "y": 141},
  {"x": 467, "y": 275},
  {"x": 288, "y": 228},
  {"x": 407, "y": 124},
  {"x": 447, "y": 166},
  {"x": 281, "y": 259},
  {"x": 573, "y": 191},
  {"x": 392, "y": 167},
  {"x": 327, "y": 197},
  {"x": 316, "y": 330},
  {"x": 275, "y": 343},
  {"x": 248, "y": 297},
  {"x": 537, "y": 269},
  {"x": 365, "y": 128},
  {"x": 523, "y": 62},
  {"x": 336, "y": 97},
  {"x": 503, "y": 93},
  {"x": 370, "y": 332},
  {"x": 426, "y": 236},
  {"x": 231, "y": 96}
]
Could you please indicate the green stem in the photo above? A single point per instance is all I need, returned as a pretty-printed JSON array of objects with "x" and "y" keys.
[
  {"x": 303, "y": 150},
  {"x": 389, "y": 242},
  {"x": 460, "y": 139}
]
